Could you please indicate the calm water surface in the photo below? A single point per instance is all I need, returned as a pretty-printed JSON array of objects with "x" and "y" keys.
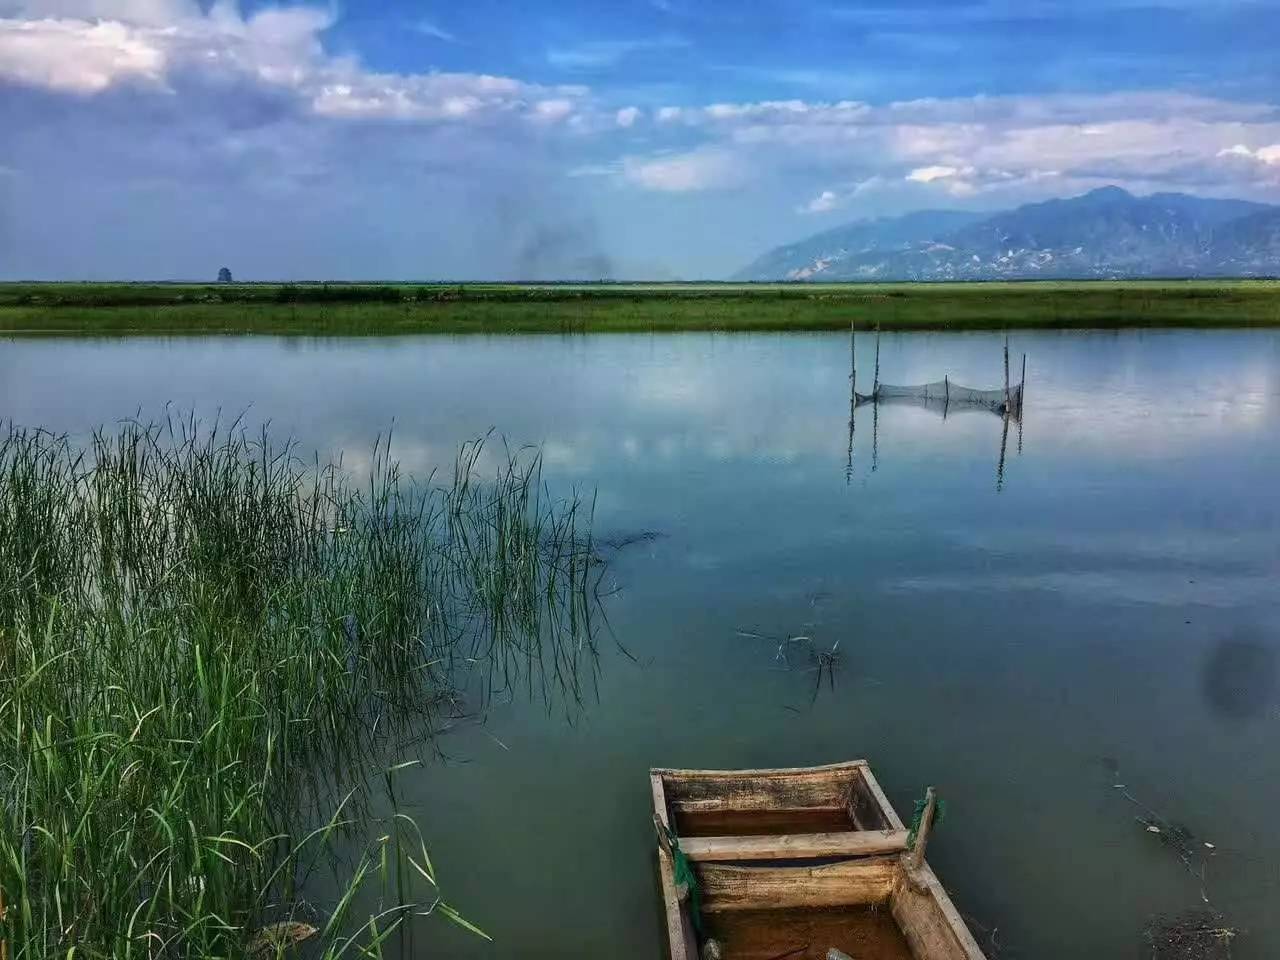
[{"x": 1106, "y": 612}]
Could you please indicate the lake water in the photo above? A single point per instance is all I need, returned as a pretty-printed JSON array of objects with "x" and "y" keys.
[{"x": 1105, "y": 612}]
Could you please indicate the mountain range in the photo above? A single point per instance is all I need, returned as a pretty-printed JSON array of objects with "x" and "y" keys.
[{"x": 1106, "y": 233}]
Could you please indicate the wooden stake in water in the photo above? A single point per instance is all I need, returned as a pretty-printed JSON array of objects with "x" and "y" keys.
[
  {"x": 875, "y": 389},
  {"x": 853, "y": 367},
  {"x": 1004, "y": 443},
  {"x": 875, "y": 408},
  {"x": 1006, "y": 372},
  {"x": 853, "y": 404},
  {"x": 875, "y": 435}
]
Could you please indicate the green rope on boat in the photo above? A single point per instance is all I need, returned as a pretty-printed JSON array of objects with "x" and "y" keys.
[
  {"x": 684, "y": 875},
  {"x": 939, "y": 814}
]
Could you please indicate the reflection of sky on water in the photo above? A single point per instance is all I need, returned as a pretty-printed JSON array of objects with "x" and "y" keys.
[
  {"x": 997, "y": 643},
  {"x": 1108, "y": 584},
  {"x": 651, "y": 400}
]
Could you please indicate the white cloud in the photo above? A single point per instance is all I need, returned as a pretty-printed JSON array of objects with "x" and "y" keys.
[
  {"x": 627, "y": 116},
  {"x": 779, "y": 113},
  {"x": 277, "y": 46},
  {"x": 685, "y": 172},
  {"x": 243, "y": 123},
  {"x": 595, "y": 170},
  {"x": 829, "y": 200},
  {"x": 430, "y": 29},
  {"x": 930, "y": 174},
  {"x": 1025, "y": 146},
  {"x": 76, "y": 57},
  {"x": 736, "y": 111},
  {"x": 552, "y": 110},
  {"x": 1239, "y": 150},
  {"x": 598, "y": 54},
  {"x": 1265, "y": 155},
  {"x": 136, "y": 12},
  {"x": 958, "y": 181},
  {"x": 824, "y": 202},
  {"x": 437, "y": 96}
]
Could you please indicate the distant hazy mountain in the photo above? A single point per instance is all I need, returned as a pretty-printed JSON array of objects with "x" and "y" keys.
[
  {"x": 1249, "y": 246},
  {"x": 823, "y": 253},
  {"x": 1104, "y": 233}
]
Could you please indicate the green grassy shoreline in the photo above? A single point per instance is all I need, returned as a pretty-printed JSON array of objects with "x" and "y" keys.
[{"x": 36, "y": 309}]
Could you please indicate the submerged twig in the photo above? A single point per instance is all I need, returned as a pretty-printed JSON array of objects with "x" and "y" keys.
[{"x": 1191, "y": 851}]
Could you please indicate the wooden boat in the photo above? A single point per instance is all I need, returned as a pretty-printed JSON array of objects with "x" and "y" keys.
[{"x": 791, "y": 863}]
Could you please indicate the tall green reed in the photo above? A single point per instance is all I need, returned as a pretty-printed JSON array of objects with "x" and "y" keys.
[{"x": 206, "y": 646}]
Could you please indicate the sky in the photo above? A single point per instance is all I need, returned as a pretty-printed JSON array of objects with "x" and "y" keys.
[{"x": 645, "y": 139}]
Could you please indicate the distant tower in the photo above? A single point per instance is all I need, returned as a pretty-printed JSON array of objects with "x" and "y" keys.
[{"x": 224, "y": 275}]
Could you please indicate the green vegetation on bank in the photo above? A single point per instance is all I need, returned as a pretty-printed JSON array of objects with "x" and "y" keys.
[
  {"x": 211, "y": 651},
  {"x": 375, "y": 309}
]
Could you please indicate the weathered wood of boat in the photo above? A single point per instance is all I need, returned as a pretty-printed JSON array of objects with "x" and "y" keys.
[{"x": 798, "y": 862}]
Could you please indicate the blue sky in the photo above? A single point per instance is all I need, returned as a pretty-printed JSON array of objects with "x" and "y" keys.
[{"x": 654, "y": 139}]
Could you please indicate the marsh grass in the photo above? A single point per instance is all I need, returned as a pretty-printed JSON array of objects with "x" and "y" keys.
[
  {"x": 69, "y": 309},
  {"x": 209, "y": 649}
]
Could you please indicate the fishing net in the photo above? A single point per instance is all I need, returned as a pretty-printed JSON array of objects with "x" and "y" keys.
[
  {"x": 684, "y": 876},
  {"x": 946, "y": 393},
  {"x": 1196, "y": 935},
  {"x": 939, "y": 814}
]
